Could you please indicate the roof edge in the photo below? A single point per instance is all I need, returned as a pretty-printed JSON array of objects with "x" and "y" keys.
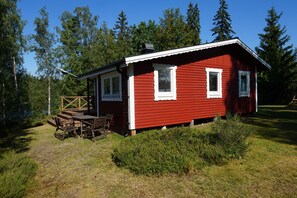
[
  {"x": 101, "y": 70},
  {"x": 144, "y": 57}
]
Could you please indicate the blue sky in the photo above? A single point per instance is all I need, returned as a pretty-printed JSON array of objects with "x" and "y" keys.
[{"x": 248, "y": 16}]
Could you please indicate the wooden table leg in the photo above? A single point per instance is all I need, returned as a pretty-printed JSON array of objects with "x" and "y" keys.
[{"x": 81, "y": 129}]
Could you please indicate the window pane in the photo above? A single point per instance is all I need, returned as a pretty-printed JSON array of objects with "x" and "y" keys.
[
  {"x": 116, "y": 85},
  {"x": 213, "y": 81},
  {"x": 164, "y": 80},
  {"x": 106, "y": 86},
  {"x": 243, "y": 83}
]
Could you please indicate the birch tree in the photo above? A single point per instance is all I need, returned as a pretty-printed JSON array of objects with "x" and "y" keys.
[
  {"x": 43, "y": 46},
  {"x": 11, "y": 51}
]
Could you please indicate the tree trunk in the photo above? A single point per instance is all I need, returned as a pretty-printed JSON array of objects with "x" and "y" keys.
[
  {"x": 16, "y": 86},
  {"x": 3, "y": 104},
  {"x": 49, "y": 96}
]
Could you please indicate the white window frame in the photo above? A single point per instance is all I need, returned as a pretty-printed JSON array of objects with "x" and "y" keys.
[
  {"x": 165, "y": 95},
  {"x": 111, "y": 97},
  {"x": 247, "y": 74},
  {"x": 218, "y": 93}
]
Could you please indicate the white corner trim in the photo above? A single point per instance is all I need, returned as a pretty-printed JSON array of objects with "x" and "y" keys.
[
  {"x": 165, "y": 95},
  {"x": 214, "y": 94},
  {"x": 256, "y": 89},
  {"x": 131, "y": 98}
]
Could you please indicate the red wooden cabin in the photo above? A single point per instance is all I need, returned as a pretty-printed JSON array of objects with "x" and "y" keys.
[{"x": 178, "y": 86}]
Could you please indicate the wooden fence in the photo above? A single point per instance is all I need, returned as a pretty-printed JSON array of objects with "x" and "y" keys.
[{"x": 76, "y": 102}]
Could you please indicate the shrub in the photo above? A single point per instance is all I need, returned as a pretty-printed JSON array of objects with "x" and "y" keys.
[
  {"x": 180, "y": 150},
  {"x": 15, "y": 172},
  {"x": 160, "y": 152},
  {"x": 231, "y": 135}
]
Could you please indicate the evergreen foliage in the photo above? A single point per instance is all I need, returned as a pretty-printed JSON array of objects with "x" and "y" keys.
[
  {"x": 122, "y": 35},
  {"x": 77, "y": 37},
  {"x": 103, "y": 50},
  {"x": 143, "y": 33},
  {"x": 222, "y": 23},
  {"x": 172, "y": 31},
  {"x": 193, "y": 22},
  {"x": 279, "y": 84}
]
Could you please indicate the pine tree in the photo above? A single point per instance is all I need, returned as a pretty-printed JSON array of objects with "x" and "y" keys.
[
  {"x": 222, "y": 23},
  {"x": 276, "y": 83},
  {"x": 193, "y": 22},
  {"x": 43, "y": 47},
  {"x": 104, "y": 50},
  {"x": 122, "y": 34}
]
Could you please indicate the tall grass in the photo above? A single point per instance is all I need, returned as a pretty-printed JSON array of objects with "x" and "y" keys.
[
  {"x": 15, "y": 172},
  {"x": 180, "y": 150}
]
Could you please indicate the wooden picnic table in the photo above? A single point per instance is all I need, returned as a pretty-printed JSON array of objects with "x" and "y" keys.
[{"x": 82, "y": 118}]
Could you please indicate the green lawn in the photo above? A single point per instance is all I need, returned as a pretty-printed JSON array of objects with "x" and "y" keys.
[{"x": 82, "y": 168}]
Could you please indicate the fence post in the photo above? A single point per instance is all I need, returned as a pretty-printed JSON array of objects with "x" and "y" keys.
[
  {"x": 79, "y": 102},
  {"x": 62, "y": 103}
]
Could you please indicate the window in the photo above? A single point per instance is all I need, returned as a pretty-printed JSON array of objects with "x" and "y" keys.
[
  {"x": 165, "y": 82},
  {"x": 214, "y": 82},
  {"x": 244, "y": 83},
  {"x": 111, "y": 87}
]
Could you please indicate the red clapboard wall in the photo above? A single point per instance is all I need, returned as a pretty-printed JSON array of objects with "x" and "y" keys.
[{"x": 192, "y": 102}]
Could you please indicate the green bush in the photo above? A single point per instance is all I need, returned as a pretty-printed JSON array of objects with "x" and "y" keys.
[
  {"x": 180, "y": 150},
  {"x": 231, "y": 135},
  {"x": 160, "y": 152},
  {"x": 15, "y": 172}
]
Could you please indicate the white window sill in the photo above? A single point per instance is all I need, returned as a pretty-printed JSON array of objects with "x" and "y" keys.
[
  {"x": 244, "y": 95},
  {"x": 157, "y": 98},
  {"x": 110, "y": 99}
]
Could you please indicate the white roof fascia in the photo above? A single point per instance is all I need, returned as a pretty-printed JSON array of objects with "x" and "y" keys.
[
  {"x": 244, "y": 46},
  {"x": 144, "y": 57},
  {"x": 151, "y": 56},
  {"x": 94, "y": 75}
]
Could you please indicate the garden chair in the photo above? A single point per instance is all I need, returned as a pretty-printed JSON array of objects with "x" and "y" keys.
[
  {"x": 95, "y": 129},
  {"x": 66, "y": 127},
  {"x": 109, "y": 118}
]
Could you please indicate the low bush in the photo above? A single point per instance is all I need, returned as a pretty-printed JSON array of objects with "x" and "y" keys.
[
  {"x": 15, "y": 172},
  {"x": 155, "y": 152},
  {"x": 231, "y": 135},
  {"x": 180, "y": 150}
]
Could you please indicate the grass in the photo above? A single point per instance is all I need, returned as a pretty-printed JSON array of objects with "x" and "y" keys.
[
  {"x": 16, "y": 168},
  {"x": 82, "y": 168},
  {"x": 16, "y": 171}
]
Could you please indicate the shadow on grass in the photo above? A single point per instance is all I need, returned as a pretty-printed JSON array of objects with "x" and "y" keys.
[
  {"x": 277, "y": 123},
  {"x": 15, "y": 138}
]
